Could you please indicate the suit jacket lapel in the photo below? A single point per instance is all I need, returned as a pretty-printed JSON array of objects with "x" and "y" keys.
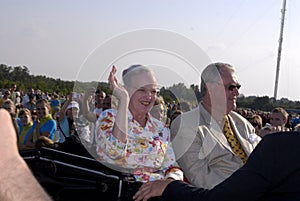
[
  {"x": 240, "y": 134},
  {"x": 216, "y": 131}
]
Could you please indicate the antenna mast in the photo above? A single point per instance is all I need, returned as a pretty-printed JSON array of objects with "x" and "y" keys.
[{"x": 279, "y": 48}]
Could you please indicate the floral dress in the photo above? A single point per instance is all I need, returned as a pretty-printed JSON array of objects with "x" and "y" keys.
[{"x": 147, "y": 152}]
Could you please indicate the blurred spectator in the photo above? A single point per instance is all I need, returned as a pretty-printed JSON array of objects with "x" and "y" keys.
[
  {"x": 6, "y": 96},
  {"x": 107, "y": 102},
  {"x": 99, "y": 97},
  {"x": 25, "y": 98},
  {"x": 174, "y": 115},
  {"x": 25, "y": 126},
  {"x": 184, "y": 106},
  {"x": 69, "y": 137},
  {"x": 297, "y": 127},
  {"x": 18, "y": 102},
  {"x": 13, "y": 90},
  {"x": 279, "y": 118},
  {"x": 31, "y": 104},
  {"x": 43, "y": 141},
  {"x": 159, "y": 109},
  {"x": 256, "y": 122},
  {"x": 67, "y": 115},
  {"x": 11, "y": 108},
  {"x": 44, "y": 125},
  {"x": 55, "y": 105}
]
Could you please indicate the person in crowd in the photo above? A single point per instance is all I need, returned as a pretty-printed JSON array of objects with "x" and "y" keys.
[
  {"x": 89, "y": 103},
  {"x": 174, "y": 107},
  {"x": 99, "y": 97},
  {"x": 25, "y": 127},
  {"x": 43, "y": 141},
  {"x": 13, "y": 95},
  {"x": 107, "y": 102},
  {"x": 93, "y": 115},
  {"x": 9, "y": 106},
  {"x": 18, "y": 183},
  {"x": 55, "y": 105},
  {"x": 128, "y": 137},
  {"x": 212, "y": 141},
  {"x": 271, "y": 173},
  {"x": 46, "y": 96},
  {"x": 68, "y": 116},
  {"x": 31, "y": 104},
  {"x": 25, "y": 97},
  {"x": 297, "y": 127},
  {"x": 44, "y": 125},
  {"x": 6, "y": 96},
  {"x": 278, "y": 120},
  {"x": 38, "y": 94},
  {"x": 185, "y": 106},
  {"x": 174, "y": 115},
  {"x": 159, "y": 109},
  {"x": 18, "y": 101},
  {"x": 256, "y": 122}
]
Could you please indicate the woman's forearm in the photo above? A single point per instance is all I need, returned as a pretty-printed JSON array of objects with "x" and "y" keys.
[{"x": 120, "y": 128}]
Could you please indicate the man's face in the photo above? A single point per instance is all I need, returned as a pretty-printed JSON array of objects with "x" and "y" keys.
[
  {"x": 13, "y": 87},
  {"x": 224, "y": 93}
]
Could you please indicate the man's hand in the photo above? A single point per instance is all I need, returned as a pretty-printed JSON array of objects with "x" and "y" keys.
[{"x": 151, "y": 189}]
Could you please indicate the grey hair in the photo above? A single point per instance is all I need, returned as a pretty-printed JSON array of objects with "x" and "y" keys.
[
  {"x": 133, "y": 70},
  {"x": 213, "y": 73}
]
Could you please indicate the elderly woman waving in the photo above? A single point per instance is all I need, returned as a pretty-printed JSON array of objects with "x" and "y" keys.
[{"x": 129, "y": 137}]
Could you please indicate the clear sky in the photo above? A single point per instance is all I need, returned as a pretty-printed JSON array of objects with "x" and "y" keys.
[{"x": 59, "y": 39}]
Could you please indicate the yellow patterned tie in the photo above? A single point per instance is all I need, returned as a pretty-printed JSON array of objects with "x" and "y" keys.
[{"x": 233, "y": 141}]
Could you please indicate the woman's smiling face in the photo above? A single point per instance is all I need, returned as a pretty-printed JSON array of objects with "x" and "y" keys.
[
  {"x": 143, "y": 92},
  {"x": 42, "y": 109}
]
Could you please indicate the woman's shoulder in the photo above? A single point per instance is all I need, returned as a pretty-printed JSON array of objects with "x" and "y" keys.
[
  {"x": 157, "y": 122},
  {"x": 161, "y": 128}
]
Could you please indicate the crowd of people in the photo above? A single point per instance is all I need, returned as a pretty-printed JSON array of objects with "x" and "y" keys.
[
  {"x": 54, "y": 113},
  {"x": 134, "y": 130}
]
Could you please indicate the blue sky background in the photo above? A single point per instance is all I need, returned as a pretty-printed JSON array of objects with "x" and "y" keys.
[{"x": 54, "y": 38}]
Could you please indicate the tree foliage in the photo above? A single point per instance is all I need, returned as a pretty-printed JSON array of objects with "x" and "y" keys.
[{"x": 20, "y": 75}]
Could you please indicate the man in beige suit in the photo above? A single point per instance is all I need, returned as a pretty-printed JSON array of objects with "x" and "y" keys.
[{"x": 206, "y": 155}]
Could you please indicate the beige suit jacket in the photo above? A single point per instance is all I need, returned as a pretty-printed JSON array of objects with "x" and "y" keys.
[{"x": 202, "y": 150}]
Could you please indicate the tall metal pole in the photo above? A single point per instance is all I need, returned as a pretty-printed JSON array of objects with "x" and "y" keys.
[{"x": 279, "y": 48}]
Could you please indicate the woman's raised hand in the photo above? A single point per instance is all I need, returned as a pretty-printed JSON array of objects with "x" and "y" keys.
[{"x": 118, "y": 90}]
